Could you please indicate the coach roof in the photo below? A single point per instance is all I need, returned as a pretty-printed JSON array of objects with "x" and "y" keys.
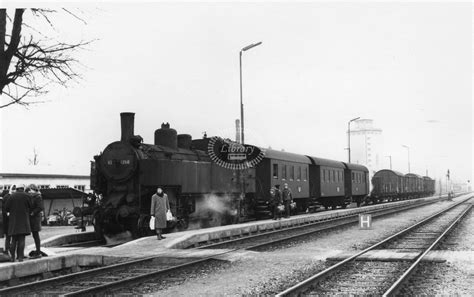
[
  {"x": 389, "y": 170},
  {"x": 327, "y": 162},
  {"x": 284, "y": 156},
  {"x": 356, "y": 167}
]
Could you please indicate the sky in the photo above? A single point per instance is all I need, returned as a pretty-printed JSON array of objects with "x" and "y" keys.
[{"x": 407, "y": 66}]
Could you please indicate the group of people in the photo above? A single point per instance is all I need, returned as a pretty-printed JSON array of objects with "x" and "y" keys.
[
  {"x": 280, "y": 201},
  {"x": 22, "y": 209}
]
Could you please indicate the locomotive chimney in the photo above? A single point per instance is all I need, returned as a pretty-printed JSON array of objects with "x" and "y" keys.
[{"x": 127, "y": 121}]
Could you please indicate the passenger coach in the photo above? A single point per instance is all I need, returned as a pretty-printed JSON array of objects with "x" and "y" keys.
[{"x": 278, "y": 168}]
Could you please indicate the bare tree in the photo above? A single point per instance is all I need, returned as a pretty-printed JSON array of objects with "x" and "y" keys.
[
  {"x": 30, "y": 62},
  {"x": 35, "y": 160}
]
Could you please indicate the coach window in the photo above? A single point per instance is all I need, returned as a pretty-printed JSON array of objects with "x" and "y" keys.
[
  {"x": 275, "y": 170},
  {"x": 298, "y": 177},
  {"x": 283, "y": 172},
  {"x": 306, "y": 173},
  {"x": 353, "y": 177},
  {"x": 292, "y": 172}
]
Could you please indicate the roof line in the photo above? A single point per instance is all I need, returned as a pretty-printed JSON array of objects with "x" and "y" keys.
[{"x": 33, "y": 175}]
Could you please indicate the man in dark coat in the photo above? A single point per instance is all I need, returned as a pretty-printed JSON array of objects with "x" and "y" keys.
[
  {"x": 18, "y": 206},
  {"x": 8, "y": 238},
  {"x": 35, "y": 217},
  {"x": 159, "y": 206},
  {"x": 275, "y": 202},
  {"x": 287, "y": 199}
]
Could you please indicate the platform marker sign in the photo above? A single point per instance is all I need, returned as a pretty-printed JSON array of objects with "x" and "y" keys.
[{"x": 365, "y": 221}]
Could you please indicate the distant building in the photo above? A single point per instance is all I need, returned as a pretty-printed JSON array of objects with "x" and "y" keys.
[
  {"x": 366, "y": 145},
  {"x": 59, "y": 191},
  {"x": 45, "y": 181}
]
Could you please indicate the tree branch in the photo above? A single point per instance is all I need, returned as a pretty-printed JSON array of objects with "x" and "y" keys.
[{"x": 29, "y": 63}]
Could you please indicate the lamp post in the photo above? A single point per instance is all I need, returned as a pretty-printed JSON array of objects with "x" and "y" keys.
[
  {"x": 241, "y": 101},
  {"x": 349, "y": 136},
  {"x": 408, "y": 150},
  {"x": 390, "y": 157}
]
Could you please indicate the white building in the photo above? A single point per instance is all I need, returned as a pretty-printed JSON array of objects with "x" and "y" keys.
[
  {"x": 45, "y": 181},
  {"x": 59, "y": 191},
  {"x": 366, "y": 145}
]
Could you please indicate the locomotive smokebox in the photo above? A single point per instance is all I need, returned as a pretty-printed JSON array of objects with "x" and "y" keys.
[
  {"x": 184, "y": 141},
  {"x": 127, "y": 120},
  {"x": 166, "y": 136}
]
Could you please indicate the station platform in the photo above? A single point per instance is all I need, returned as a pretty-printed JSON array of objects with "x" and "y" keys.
[{"x": 174, "y": 246}]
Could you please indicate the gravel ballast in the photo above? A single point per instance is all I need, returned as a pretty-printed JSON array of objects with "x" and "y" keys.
[{"x": 272, "y": 271}]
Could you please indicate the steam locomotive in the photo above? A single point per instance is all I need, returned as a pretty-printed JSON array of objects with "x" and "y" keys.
[{"x": 206, "y": 184}]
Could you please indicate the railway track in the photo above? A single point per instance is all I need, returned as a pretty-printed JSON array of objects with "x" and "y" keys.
[
  {"x": 356, "y": 276},
  {"x": 122, "y": 275},
  {"x": 106, "y": 278},
  {"x": 260, "y": 241}
]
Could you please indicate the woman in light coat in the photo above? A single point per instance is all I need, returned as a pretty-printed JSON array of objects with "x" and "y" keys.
[{"x": 159, "y": 206}]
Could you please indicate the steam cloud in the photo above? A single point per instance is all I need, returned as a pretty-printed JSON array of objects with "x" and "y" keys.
[{"x": 213, "y": 210}]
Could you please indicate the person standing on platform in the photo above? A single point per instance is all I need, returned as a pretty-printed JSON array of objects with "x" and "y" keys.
[
  {"x": 18, "y": 206},
  {"x": 35, "y": 218},
  {"x": 8, "y": 238},
  {"x": 287, "y": 199},
  {"x": 275, "y": 202},
  {"x": 159, "y": 206}
]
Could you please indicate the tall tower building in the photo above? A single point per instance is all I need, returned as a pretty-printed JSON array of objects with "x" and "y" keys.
[{"x": 366, "y": 145}]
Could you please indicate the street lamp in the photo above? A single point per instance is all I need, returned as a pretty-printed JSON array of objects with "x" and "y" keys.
[
  {"x": 349, "y": 136},
  {"x": 241, "y": 101},
  {"x": 408, "y": 150},
  {"x": 390, "y": 157}
]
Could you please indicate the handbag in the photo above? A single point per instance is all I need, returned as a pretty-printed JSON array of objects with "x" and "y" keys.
[
  {"x": 152, "y": 223},
  {"x": 169, "y": 215}
]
